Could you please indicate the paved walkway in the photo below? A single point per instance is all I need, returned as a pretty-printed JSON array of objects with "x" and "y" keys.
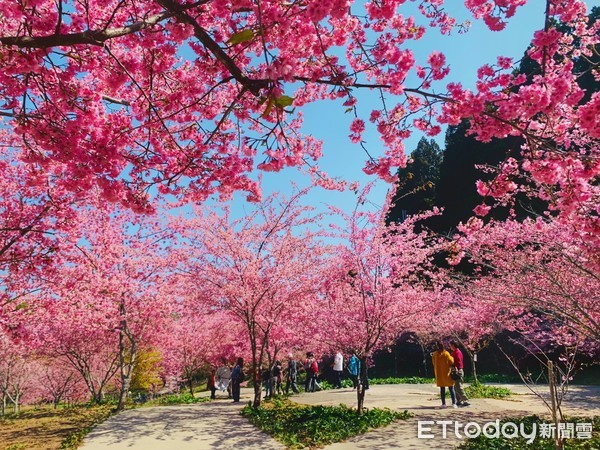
[{"x": 218, "y": 425}]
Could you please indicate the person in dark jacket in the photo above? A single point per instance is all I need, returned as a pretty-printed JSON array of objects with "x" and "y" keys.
[
  {"x": 237, "y": 377},
  {"x": 266, "y": 379},
  {"x": 459, "y": 366},
  {"x": 211, "y": 386},
  {"x": 291, "y": 375},
  {"x": 276, "y": 380}
]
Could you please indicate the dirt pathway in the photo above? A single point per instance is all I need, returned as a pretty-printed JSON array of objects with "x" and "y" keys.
[{"x": 218, "y": 425}]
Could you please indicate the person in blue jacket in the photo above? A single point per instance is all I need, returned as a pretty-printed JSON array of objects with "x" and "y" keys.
[{"x": 354, "y": 369}]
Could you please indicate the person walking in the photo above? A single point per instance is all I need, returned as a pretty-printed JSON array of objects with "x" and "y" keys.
[
  {"x": 461, "y": 397},
  {"x": 442, "y": 366},
  {"x": 211, "y": 384},
  {"x": 223, "y": 378},
  {"x": 266, "y": 379},
  {"x": 276, "y": 386},
  {"x": 312, "y": 371},
  {"x": 291, "y": 375},
  {"x": 354, "y": 369},
  {"x": 338, "y": 368},
  {"x": 237, "y": 377}
]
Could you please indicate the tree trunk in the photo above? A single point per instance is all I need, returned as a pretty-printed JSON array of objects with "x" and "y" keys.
[
  {"x": 126, "y": 372},
  {"x": 16, "y": 403},
  {"x": 473, "y": 358},
  {"x": 474, "y": 367},
  {"x": 362, "y": 384},
  {"x": 424, "y": 352},
  {"x": 126, "y": 365},
  {"x": 257, "y": 391},
  {"x": 558, "y": 441}
]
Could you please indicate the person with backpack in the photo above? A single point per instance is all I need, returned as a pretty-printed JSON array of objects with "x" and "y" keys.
[
  {"x": 237, "y": 377},
  {"x": 312, "y": 371}
]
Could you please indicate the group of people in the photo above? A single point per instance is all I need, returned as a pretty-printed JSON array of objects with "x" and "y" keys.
[
  {"x": 226, "y": 379},
  {"x": 311, "y": 367},
  {"x": 449, "y": 372},
  {"x": 448, "y": 366}
]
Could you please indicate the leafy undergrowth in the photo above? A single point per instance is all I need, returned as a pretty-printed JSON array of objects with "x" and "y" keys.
[
  {"x": 490, "y": 378},
  {"x": 176, "y": 399},
  {"x": 402, "y": 380},
  {"x": 502, "y": 443},
  {"x": 47, "y": 428},
  {"x": 65, "y": 428},
  {"x": 312, "y": 426},
  {"x": 472, "y": 391},
  {"x": 495, "y": 378},
  {"x": 96, "y": 415},
  {"x": 487, "y": 391},
  {"x": 390, "y": 380}
]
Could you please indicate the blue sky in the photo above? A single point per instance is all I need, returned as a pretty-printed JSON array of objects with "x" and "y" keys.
[{"x": 328, "y": 122}]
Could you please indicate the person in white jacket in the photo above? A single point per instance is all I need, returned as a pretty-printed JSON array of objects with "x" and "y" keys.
[
  {"x": 338, "y": 368},
  {"x": 223, "y": 378}
]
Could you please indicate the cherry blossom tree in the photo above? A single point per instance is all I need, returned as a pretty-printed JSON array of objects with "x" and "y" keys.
[
  {"x": 76, "y": 330},
  {"x": 475, "y": 324},
  {"x": 36, "y": 223},
  {"x": 379, "y": 286},
  {"x": 105, "y": 301},
  {"x": 15, "y": 371},
  {"x": 125, "y": 265},
  {"x": 184, "y": 94},
  {"x": 261, "y": 269},
  {"x": 199, "y": 338},
  {"x": 536, "y": 266},
  {"x": 58, "y": 381}
]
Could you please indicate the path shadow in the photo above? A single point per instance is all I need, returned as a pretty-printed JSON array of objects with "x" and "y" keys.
[{"x": 213, "y": 425}]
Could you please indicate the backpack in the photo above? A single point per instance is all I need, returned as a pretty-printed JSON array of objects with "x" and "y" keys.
[{"x": 314, "y": 367}]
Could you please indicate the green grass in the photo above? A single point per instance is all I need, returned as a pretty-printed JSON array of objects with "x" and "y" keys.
[
  {"x": 402, "y": 380},
  {"x": 390, "y": 380},
  {"x": 495, "y": 378},
  {"x": 96, "y": 415},
  {"x": 301, "y": 426},
  {"x": 472, "y": 391},
  {"x": 487, "y": 391},
  {"x": 176, "y": 399},
  {"x": 483, "y": 443},
  {"x": 488, "y": 378}
]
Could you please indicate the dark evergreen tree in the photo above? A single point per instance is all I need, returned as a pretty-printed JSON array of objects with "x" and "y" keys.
[
  {"x": 463, "y": 157},
  {"x": 417, "y": 182},
  {"x": 461, "y": 167}
]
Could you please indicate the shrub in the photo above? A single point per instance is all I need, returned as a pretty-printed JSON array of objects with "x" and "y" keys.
[
  {"x": 299, "y": 426},
  {"x": 487, "y": 391},
  {"x": 178, "y": 399}
]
